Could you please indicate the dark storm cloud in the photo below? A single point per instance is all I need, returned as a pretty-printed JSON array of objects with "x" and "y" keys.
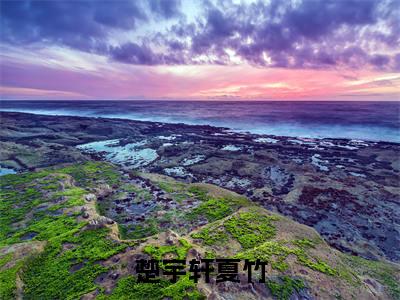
[
  {"x": 311, "y": 34},
  {"x": 134, "y": 54},
  {"x": 305, "y": 34},
  {"x": 78, "y": 24},
  {"x": 83, "y": 25}
]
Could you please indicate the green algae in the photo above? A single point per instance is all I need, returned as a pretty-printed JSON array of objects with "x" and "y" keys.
[
  {"x": 22, "y": 195},
  {"x": 91, "y": 173},
  {"x": 138, "y": 231},
  {"x": 212, "y": 235},
  {"x": 276, "y": 252},
  {"x": 158, "y": 252},
  {"x": 283, "y": 287},
  {"x": 250, "y": 229},
  {"x": 171, "y": 187},
  {"x": 184, "y": 288},
  {"x": 22, "y": 214},
  {"x": 8, "y": 281},
  {"x": 49, "y": 276},
  {"x": 128, "y": 288},
  {"x": 383, "y": 272}
]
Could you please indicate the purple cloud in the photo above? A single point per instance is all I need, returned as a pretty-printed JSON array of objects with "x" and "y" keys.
[{"x": 305, "y": 34}]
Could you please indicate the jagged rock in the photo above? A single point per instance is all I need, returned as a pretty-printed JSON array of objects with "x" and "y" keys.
[
  {"x": 171, "y": 238},
  {"x": 90, "y": 197},
  {"x": 100, "y": 222},
  {"x": 85, "y": 215},
  {"x": 193, "y": 252},
  {"x": 114, "y": 276},
  {"x": 62, "y": 199},
  {"x": 373, "y": 284},
  {"x": 119, "y": 209},
  {"x": 103, "y": 190},
  {"x": 94, "y": 224},
  {"x": 104, "y": 220},
  {"x": 110, "y": 221},
  {"x": 140, "y": 218},
  {"x": 202, "y": 222},
  {"x": 128, "y": 219}
]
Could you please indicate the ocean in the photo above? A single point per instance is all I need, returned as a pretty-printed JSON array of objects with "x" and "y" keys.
[{"x": 376, "y": 121}]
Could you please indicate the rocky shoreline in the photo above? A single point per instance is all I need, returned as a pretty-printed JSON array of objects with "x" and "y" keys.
[{"x": 348, "y": 190}]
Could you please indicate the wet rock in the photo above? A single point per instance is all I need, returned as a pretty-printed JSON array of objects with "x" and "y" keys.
[
  {"x": 119, "y": 209},
  {"x": 171, "y": 238},
  {"x": 373, "y": 284},
  {"x": 100, "y": 222},
  {"x": 94, "y": 224},
  {"x": 61, "y": 199},
  {"x": 160, "y": 213},
  {"x": 103, "y": 190},
  {"x": 28, "y": 236},
  {"x": 202, "y": 222},
  {"x": 140, "y": 218},
  {"x": 76, "y": 267},
  {"x": 90, "y": 197},
  {"x": 128, "y": 219},
  {"x": 269, "y": 168},
  {"x": 104, "y": 220}
]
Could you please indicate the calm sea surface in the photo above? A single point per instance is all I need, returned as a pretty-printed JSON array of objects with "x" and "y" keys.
[{"x": 357, "y": 120}]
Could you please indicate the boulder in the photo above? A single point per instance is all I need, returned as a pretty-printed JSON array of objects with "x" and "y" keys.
[
  {"x": 103, "y": 190},
  {"x": 171, "y": 238},
  {"x": 90, "y": 197},
  {"x": 104, "y": 220}
]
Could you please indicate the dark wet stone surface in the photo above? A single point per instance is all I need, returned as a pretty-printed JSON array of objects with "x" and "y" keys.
[
  {"x": 347, "y": 190},
  {"x": 28, "y": 236},
  {"x": 77, "y": 267}
]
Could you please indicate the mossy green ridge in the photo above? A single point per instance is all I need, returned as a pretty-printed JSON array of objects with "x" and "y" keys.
[
  {"x": 171, "y": 187},
  {"x": 276, "y": 252},
  {"x": 250, "y": 229},
  {"x": 158, "y": 252},
  {"x": 27, "y": 206},
  {"x": 8, "y": 277},
  {"x": 49, "y": 275},
  {"x": 283, "y": 287},
  {"x": 41, "y": 222},
  {"x": 381, "y": 271},
  {"x": 137, "y": 231},
  {"x": 63, "y": 256},
  {"x": 128, "y": 288},
  {"x": 184, "y": 288},
  {"x": 91, "y": 173},
  {"x": 213, "y": 234},
  {"x": 213, "y": 208}
]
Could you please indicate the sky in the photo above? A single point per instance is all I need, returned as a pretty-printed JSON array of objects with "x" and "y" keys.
[{"x": 200, "y": 50}]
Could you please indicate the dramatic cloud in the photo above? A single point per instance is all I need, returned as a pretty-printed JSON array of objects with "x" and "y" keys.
[
  {"x": 79, "y": 24},
  {"x": 166, "y": 9},
  {"x": 288, "y": 34},
  {"x": 200, "y": 49}
]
